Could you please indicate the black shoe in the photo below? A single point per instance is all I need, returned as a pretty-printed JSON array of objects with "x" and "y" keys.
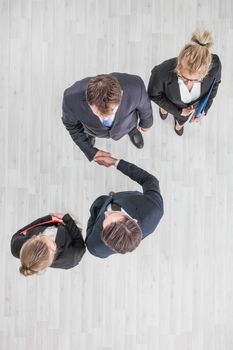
[
  {"x": 179, "y": 132},
  {"x": 136, "y": 138},
  {"x": 163, "y": 116},
  {"x": 91, "y": 140}
]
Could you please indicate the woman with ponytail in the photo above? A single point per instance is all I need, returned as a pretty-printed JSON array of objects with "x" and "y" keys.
[
  {"x": 178, "y": 84},
  {"x": 53, "y": 240}
]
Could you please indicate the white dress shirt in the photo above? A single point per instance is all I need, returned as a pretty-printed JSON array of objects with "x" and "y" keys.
[
  {"x": 50, "y": 231},
  {"x": 186, "y": 95}
]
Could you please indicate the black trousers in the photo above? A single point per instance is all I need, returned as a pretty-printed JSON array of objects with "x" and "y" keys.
[{"x": 181, "y": 119}]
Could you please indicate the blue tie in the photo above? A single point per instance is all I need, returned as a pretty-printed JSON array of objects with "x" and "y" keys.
[{"x": 107, "y": 122}]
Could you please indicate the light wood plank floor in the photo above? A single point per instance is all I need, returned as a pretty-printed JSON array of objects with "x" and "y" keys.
[{"x": 176, "y": 290}]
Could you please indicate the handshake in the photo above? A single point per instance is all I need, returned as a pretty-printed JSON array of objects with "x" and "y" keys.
[{"x": 104, "y": 158}]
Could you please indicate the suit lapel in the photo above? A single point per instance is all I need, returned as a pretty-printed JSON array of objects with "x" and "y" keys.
[
  {"x": 104, "y": 206},
  {"x": 174, "y": 90}
]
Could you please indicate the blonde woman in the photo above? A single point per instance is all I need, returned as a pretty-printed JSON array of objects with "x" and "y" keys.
[
  {"x": 178, "y": 84},
  {"x": 53, "y": 240}
]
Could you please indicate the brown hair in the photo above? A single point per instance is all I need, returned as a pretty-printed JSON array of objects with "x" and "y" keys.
[
  {"x": 122, "y": 236},
  {"x": 196, "y": 55},
  {"x": 102, "y": 91},
  {"x": 35, "y": 256}
]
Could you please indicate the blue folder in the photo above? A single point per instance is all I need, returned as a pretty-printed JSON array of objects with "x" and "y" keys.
[{"x": 203, "y": 102}]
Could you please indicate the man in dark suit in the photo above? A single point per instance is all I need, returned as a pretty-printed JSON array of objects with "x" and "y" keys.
[
  {"x": 108, "y": 106},
  {"x": 119, "y": 221}
]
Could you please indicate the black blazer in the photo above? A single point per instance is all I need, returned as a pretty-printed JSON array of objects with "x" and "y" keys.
[
  {"x": 164, "y": 90},
  {"x": 69, "y": 241},
  {"x": 78, "y": 116},
  {"x": 146, "y": 207}
]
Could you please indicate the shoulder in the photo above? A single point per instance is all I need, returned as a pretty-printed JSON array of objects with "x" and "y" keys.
[
  {"x": 165, "y": 67},
  {"x": 77, "y": 90},
  {"x": 216, "y": 63},
  {"x": 17, "y": 242},
  {"x": 100, "y": 201},
  {"x": 128, "y": 80}
]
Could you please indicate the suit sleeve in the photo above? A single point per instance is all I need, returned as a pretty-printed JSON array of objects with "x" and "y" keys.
[
  {"x": 78, "y": 244},
  {"x": 19, "y": 239},
  {"x": 215, "y": 88},
  {"x": 157, "y": 94},
  {"x": 144, "y": 108},
  {"x": 94, "y": 211},
  {"x": 76, "y": 130},
  {"x": 91, "y": 220},
  {"x": 149, "y": 182}
]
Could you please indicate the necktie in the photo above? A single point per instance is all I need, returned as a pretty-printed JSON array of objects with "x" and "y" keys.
[{"x": 107, "y": 122}]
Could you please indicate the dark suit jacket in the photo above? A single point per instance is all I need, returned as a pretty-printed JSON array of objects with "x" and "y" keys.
[
  {"x": 69, "y": 241},
  {"x": 164, "y": 90},
  {"x": 146, "y": 207},
  {"x": 78, "y": 116}
]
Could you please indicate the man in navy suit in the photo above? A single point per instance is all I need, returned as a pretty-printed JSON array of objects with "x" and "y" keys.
[
  {"x": 108, "y": 106},
  {"x": 119, "y": 221}
]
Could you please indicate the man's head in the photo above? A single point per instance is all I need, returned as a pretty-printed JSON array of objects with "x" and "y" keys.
[
  {"x": 120, "y": 232},
  {"x": 104, "y": 95}
]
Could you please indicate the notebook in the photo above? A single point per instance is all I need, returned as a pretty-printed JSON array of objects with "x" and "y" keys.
[{"x": 203, "y": 102}]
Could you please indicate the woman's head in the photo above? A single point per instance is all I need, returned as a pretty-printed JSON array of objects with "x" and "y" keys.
[
  {"x": 36, "y": 254},
  {"x": 195, "y": 58}
]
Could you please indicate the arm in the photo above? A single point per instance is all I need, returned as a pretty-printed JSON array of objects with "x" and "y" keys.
[
  {"x": 215, "y": 88},
  {"x": 157, "y": 95},
  {"x": 148, "y": 182},
  {"x": 74, "y": 231},
  {"x": 36, "y": 222},
  {"x": 77, "y": 238},
  {"x": 76, "y": 130},
  {"x": 144, "y": 108},
  {"x": 19, "y": 239},
  {"x": 94, "y": 211}
]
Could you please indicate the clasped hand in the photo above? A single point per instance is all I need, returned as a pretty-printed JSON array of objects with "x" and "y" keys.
[
  {"x": 190, "y": 111},
  {"x": 104, "y": 158}
]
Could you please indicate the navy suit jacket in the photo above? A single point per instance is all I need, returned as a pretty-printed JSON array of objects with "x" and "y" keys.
[
  {"x": 69, "y": 241},
  {"x": 78, "y": 116},
  {"x": 163, "y": 87},
  {"x": 146, "y": 208}
]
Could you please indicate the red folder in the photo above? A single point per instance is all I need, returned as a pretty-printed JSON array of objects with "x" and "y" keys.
[{"x": 55, "y": 221}]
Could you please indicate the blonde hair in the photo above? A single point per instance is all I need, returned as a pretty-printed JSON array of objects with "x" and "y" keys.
[
  {"x": 195, "y": 55},
  {"x": 35, "y": 256}
]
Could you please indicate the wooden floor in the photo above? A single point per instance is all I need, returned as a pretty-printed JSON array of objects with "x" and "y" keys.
[{"x": 175, "y": 292}]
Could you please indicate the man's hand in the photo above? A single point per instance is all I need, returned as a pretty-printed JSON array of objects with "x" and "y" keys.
[
  {"x": 104, "y": 158},
  {"x": 143, "y": 129}
]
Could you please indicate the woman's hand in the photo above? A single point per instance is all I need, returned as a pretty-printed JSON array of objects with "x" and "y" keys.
[
  {"x": 187, "y": 111},
  {"x": 57, "y": 216},
  {"x": 199, "y": 119}
]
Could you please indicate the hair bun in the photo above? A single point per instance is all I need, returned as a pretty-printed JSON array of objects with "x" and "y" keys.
[
  {"x": 24, "y": 270},
  {"x": 202, "y": 37}
]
